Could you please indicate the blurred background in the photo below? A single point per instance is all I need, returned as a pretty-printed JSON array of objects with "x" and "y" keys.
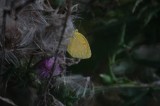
[{"x": 124, "y": 36}]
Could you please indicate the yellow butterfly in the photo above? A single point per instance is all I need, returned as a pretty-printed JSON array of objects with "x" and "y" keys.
[{"x": 78, "y": 46}]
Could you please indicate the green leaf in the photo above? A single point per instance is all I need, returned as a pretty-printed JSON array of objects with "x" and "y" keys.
[
  {"x": 136, "y": 5},
  {"x": 106, "y": 78},
  {"x": 122, "y": 42},
  {"x": 150, "y": 16}
]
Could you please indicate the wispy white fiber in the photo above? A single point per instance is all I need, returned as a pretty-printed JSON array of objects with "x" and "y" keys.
[{"x": 39, "y": 28}]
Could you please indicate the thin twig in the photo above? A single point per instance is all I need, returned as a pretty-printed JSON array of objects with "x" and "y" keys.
[
  {"x": 7, "y": 101},
  {"x": 2, "y": 36},
  {"x": 124, "y": 86},
  {"x": 69, "y": 2}
]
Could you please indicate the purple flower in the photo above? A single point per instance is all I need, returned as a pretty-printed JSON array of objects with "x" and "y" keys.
[{"x": 45, "y": 68}]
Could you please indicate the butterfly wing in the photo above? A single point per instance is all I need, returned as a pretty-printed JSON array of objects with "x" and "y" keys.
[{"x": 79, "y": 46}]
